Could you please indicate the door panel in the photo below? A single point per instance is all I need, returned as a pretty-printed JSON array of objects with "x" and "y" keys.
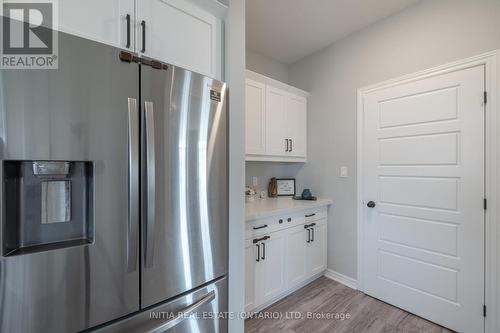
[
  {"x": 316, "y": 252},
  {"x": 270, "y": 274},
  {"x": 185, "y": 231},
  {"x": 297, "y": 120},
  {"x": 103, "y": 21},
  {"x": 78, "y": 112},
  {"x": 424, "y": 168},
  {"x": 180, "y": 33},
  {"x": 250, "y": 262},
  {"x": 277, "y": 124},
  {"x": 255, "y": 116},
  {"x": 296, "y": 255}
]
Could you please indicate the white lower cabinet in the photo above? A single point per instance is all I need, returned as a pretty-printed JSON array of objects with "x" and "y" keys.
[
  {"x": 296, "y": 255},
  {"x": 281, "y": 260},
  {"x": 316, "y": 248}
]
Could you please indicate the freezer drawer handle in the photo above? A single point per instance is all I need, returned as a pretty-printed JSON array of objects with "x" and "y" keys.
[
  {"x": 184, "y": 314},
  {"x": 150, "y": 183},
  {"x": 133, "y": 184}
]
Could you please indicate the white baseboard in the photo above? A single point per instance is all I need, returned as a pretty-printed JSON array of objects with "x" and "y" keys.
[{"x": 341, "y": 278}]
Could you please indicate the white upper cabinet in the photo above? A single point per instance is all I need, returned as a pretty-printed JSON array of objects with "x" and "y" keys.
[
  {"x": 279, "y": 131},
  {"x": 185, "y": 33},
  {"x": 102, "y": 21},
  {"x": 180, "y": 33},
  {"x": 255, "y": 117}
]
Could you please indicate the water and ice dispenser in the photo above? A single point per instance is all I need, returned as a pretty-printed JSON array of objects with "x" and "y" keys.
[{"x": 47, "y": 205}]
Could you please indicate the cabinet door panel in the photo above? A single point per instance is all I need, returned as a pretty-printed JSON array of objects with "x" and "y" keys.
[
  {"x": 250, "y": 261},
  {"x": 103, "y": 21},
  {"x": 276, "y": 122},
  {"x": 297, "y": 125},
  {"x": 316, "y": 257},
  {"x": 255, "y": 116},
  {"x": 182, "y": 34},
  {"x": 270, "y": 272},
  {"x": 296, "y": 256}
]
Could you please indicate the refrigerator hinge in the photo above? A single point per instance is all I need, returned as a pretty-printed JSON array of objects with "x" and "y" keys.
[
  {"x": 484, "y": 310},
  {"x": 128, "y": 57}
]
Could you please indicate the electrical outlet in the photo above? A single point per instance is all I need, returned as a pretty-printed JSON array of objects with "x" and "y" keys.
[
  {"x": 343, "y": 172},
  {"x": 255, "y": 181}
]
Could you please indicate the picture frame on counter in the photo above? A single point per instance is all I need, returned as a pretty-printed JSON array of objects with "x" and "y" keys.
[{"x": 286, "y": 187}]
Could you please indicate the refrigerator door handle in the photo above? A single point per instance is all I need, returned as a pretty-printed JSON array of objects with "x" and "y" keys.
[
  {"x": 183, "y": 314},
  {"x": 150, "y": 183},
  {"x": 133, "y": 184}
]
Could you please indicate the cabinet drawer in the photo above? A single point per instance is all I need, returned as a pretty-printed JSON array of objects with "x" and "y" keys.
[
  {"x": 272, "y": 224},
  {"x": 315, "y": 214}
]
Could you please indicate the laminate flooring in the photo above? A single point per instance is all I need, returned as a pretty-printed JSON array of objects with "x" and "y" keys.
[{"x": 336, "y": 309}]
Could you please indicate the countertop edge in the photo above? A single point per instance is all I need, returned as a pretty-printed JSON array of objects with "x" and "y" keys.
[{"x": 312, "y": 204}]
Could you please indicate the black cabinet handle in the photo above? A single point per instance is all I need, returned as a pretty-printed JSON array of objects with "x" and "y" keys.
[
  {"x": 311, "y": 215},
  {"x": 286, "y": 141},
  {"x": 291, "y": 145},
  {"x": 143, "y": 25},
  {"x": 370, "y": 204},
  {"x": 309, "y": 225},
  {"x": 312, "y": 238},
  {"x": 263, "y": 251},
  {"x": 289, "y": 219},
  {"x": 260, "y": 227},
  {"x": 258, "y": 252},
  {"x": 255, "y": 241},
  {"x": 308, "y": 236},
  {"x": 127, "y": 17}
]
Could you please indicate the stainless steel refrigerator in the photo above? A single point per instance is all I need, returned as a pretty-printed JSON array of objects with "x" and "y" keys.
[{"x": 113, "y": 195}]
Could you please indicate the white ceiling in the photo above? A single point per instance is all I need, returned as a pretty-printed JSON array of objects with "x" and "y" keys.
[{"x": 288, "y": 30}]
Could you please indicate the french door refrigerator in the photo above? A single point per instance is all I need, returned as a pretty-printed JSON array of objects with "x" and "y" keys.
[{"x": 113, "y": 195}]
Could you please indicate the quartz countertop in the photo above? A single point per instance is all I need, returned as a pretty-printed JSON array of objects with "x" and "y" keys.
[{"x": 262, "y": 208}]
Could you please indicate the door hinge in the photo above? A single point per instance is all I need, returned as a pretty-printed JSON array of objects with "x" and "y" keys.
[
  {"x": 485, "y": 203},
  {"x": 484, "y": 310},
  {"x": 485, "y": 97}
]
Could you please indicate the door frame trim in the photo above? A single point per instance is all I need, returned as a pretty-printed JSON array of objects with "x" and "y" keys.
[{"x": 492, "y": 163}]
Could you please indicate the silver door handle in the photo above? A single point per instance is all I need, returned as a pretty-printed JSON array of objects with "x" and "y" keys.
[
  {"x": 133, "y": 184},
  {"x": 183, "y": 314},
  {"x": 150, "y": 183}
]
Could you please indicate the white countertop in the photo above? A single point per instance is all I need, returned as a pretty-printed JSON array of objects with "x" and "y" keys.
[{"x": 262, "y": 208}]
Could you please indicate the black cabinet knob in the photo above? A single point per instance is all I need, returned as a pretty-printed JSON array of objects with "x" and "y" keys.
[
  {"x": 280, "y": 221},
  {"x": 289, "y": 219},
  {"x": 370, "y": 204}
]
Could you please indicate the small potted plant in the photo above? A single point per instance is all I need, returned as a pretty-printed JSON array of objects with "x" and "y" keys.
[{"x": 249, "y": 194}]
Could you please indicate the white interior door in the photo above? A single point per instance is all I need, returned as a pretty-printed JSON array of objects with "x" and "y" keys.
[{"x": 423, "y": 167}]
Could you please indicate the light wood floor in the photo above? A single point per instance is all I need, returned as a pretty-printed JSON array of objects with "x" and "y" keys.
[{"x": 323, "y": 295}]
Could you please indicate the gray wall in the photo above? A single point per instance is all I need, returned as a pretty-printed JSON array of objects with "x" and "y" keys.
[
  {"x": 266, "y": 66},
  {"x": 428, "y": 34}
]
